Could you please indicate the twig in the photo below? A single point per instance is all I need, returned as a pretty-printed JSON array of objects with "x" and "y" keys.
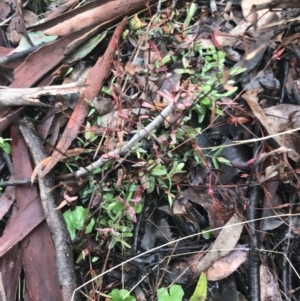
[
  {"x": 254, "y": 260},
  {"x": 15, "y": 182},
  {"x": 2, "y": 289},
  {"x": 128, "y": 146},
  {"x": 213, "y": 6},
  {"x": 59, "y": 232}
]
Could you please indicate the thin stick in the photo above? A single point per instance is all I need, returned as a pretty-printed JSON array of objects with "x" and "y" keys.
[
  {"x": 2, "y": 289},
  {"x": 59, "y": 232},
  {"x": 128, "y": 146}
]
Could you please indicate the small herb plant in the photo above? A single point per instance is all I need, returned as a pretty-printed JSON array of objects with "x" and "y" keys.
[
  {"x": 75, "y": 221},
  {"x": 121, "y": 295},
  {"x": 174, "y": 293}
]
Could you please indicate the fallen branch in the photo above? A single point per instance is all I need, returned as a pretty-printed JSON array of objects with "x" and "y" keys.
[
  {"x": 59, "y": 232},
  {"x": 30, "y": 96},
  {"x": 128, "y": 146}
]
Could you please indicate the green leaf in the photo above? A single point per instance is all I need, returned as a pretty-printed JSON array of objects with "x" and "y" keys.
[
  {"x": 159, "y": 171},
  {"x": 207, "y": 233},
  {"x": 74, "y": 220},
  {"x": 206, "y": 101},
  {"x": 90, "y": 226},
  {"x": 224, "y": 161},
  {"x": 175, "y": 293},
  {"x": 228, "y": 93},
  {"x": 150, "y": 184},
  {"x": 206, "y": 89},
  {"x": 182, "y": 71},
  {"x": 166, "y": 59},
  {"x": 215, "y": 163},
  {"x": 237, "y": 70},
  {"x": 200, "y": 292},
  {"x": 6, "y": 147},
  {"x": 121, "y": 295},
  {"x": 37, "y": 38},
  {"x": 85, "y": 48}
]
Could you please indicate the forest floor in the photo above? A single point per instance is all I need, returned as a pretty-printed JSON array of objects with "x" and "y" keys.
[{"x": 149, "y": 151}]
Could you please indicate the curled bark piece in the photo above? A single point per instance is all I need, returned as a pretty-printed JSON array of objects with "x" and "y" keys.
[{"x": 59, "y": 232}]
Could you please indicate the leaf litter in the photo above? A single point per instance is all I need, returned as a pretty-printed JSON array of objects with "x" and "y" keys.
[{"x": 182, "y": 123}]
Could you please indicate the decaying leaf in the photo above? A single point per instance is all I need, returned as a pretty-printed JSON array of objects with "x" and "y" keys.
[
  {"x": 275, "y": 124},
  {"x": 218, "y": 214},
  {"x": 6, "y": 200},
  {"x": 269, "y": 288},
  {"x": 226, "y": 265},
  {"x": 223, "y": 245}
]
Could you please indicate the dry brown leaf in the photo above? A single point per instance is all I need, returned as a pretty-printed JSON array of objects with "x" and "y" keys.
[
  {"x": 223, "y": 245},
  {"x": 7, "y": 198},
  {"x": 263, "y": 16},
  {"x": 269, "y": 289},
  {"x": 226, "y": 265},
  {"x": 276, "y": 120},
  {"x": 69, "y": 153}
]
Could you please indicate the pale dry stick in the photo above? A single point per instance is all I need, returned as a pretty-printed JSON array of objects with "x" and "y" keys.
[
  {"x": 2, "y": 289},
  {"x": 128, "y": 146},
  {"x": 240, "y": 142},
  {"x": 186, "y": 237},
  {"x": 59, "y": 233}
]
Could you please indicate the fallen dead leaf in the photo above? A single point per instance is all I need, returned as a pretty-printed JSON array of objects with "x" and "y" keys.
[
  {"x": 269, "y": 289},
  {"x": 275, "y": 124},
  {"x": 225, "y": 242},
  {"x": 226, "y": 265}
]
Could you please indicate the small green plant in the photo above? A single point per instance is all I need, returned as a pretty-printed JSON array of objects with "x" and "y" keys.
[
  {"x": 121, "y": 295},
  {"x": 174, "y": 293},
  {"x": 75, "y": 221},
  {"x": 216, "y": 158},
  {"x": 5, "y": 145}
]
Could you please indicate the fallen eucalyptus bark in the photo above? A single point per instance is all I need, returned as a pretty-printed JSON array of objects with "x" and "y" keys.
[
  {"x": 30, "y": 96},
  {"x": 59, "y": 232}
]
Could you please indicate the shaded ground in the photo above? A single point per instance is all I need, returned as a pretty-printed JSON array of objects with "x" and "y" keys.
[{"x": 150, "y": 157}]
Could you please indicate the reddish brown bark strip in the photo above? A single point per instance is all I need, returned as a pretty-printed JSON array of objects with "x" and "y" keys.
[
  {"x": 38, "y": 251},
  {"x": 22, "y": 220},
  {"x": 95, "y": 80},
  {"x": 54, "y": 218}
]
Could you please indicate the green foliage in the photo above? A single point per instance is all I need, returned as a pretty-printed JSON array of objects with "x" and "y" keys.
[
  {"x": 5, "y": 145},
  {"x": 216, "y": 158},
  {"x": 121, "y": 295},
  {"x": 200, "y": 292},
  {"x": 75, "y": 221},
  {"x": 209, "y": 78},
  {"x": 191, "y": 10},
  {"x": 206, "y": 233},
  {"x": 175, "y": 293}
]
